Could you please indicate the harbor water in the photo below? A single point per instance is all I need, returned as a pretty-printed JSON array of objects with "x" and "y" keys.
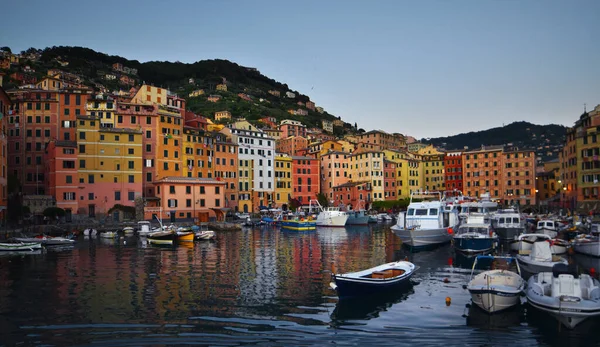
[{"x": 259, "y": 287}]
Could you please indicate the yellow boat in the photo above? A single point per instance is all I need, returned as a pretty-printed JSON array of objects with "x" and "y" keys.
[{"x": 185, "y": 236}]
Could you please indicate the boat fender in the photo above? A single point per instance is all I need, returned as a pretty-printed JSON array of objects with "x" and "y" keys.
[
  {"x": 450, "y": 231},
  {"x": 448, "y": 301}
]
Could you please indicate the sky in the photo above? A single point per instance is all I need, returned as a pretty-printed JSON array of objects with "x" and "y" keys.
[{"x": 421, "y": 68}]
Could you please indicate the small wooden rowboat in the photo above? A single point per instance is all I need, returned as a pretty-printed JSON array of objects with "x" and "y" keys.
[{"x": 374, "y": 280}]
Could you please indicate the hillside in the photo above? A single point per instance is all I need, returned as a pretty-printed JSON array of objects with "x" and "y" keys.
[
  {"x": 182, "y": 79},
  {"x": 546, "y": 140}
]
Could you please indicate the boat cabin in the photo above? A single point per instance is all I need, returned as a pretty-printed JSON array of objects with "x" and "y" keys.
[
  {"x": 144, "y": 226},
  {"x": 547, "y": 224}
]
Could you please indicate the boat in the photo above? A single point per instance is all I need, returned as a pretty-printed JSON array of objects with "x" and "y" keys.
[
  {"x": 540, "y": 258},
  {"x": 569, "y": 297},
  {"x": 358, "y": 216},
  {"x": 184, "y": 235},
  {"x": 384, "y": 217},
  {"x": 548, "y": 227},
  {"x": 524, "y": 242},
  {"x": 202, "y": 235},
  {"x": 162, "y": 237},
  {"x": 372, "y": 218},
  {"x": 46, "y": 240},
  {"x": 429, "y": 222},
  {"x": 497, "y": 289},
  {"x": 381, "y": 278},
  {"x": 20, "y": 246},
  {"x": 128, "y": 230},
  {"x": 484, "y": 205},
  {"x": 587, "y": 244},
  {"x": 507, "y": 224},
  {"x": 328, "y": 216},
  {"x": 299, "y": 224},
  {"x": 143, "y": 228},
  {"x": 475, "y": 236}
]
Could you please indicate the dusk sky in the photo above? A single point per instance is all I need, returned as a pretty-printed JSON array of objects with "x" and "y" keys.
[{"x": 421, "y": 68}]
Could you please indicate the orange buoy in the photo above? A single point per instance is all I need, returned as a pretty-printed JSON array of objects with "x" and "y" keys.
[
  {"x": 450, "y": 261},
  {"x": 446, "y": 280},
  {"x": 450, "y": 231},
  {"x": 448, "y": 301},
  {"x": 592, "y": 272}
]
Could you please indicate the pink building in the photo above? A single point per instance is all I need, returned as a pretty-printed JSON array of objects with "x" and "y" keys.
[
  {"x": 389, "y": 179},
  {"x": 292, "y": 128},
  {"x": 353, "y": 194},
  {"x": 334, "y": 171},
  {"x": 61, "y": 182},
  {"x": 292, "y": 146}
]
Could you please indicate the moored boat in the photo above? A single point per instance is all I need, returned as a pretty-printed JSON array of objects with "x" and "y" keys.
[
  {"x": 143, "y": 228},
  {"x": 508, "y": 224},
  {"x": 46, "y": 240},
  {"x": 328, "y": 216},
  {"x": 589, "y": 245},
  {"x": 524, "y": 242},
  {"x": 357, "y": 217},
  {"x": 162, "y": 237},
  {"x": 381, "y": 278},
  {"x": 128, "y": 230},
  {"x": 569, "y": 297},
  {"x": 201, "y": 234},
  {"x": 109, "y": 235},
  {"x": 185, "y": 235},
  {"x": 20, "y": 246},
  {"x": 496, "y": 289},
  {"x": 429, "y": 222},
  {"x": 548, "y": 227},
  {"x": 540, "y": 258},
  {"x": 299, "y": 224},
  {"x": 475, "y": 238}
]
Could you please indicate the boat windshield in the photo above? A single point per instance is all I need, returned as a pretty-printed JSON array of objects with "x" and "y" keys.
[
  {"x": 433, "y": 211},
  {"x": 411, "y": 211},
  {"x": 477, "y": 230},
  {"x": 421, "y": 212}
]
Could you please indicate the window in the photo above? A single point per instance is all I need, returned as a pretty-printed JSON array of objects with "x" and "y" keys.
[
  {"x": 217, "y": 190},
  {"x": 117, "y": 196},
  {"x": 131, "y": 164},
  {"x": 188, "y": 189},
  {"x": 131, "y": 196},
  {"x": 82, "y": 164},
  {"x": 172, "y": 189},
  {"x": 82, "y": 135},
  {"x": 131, "y": 179},
  {"x": 202, "y": 190},
  {"x": 188, "y": 202},
  {"x": 69, "y": 179},
  {"x": 90, "y": 178},
  {"x": 130, "y": 151}
]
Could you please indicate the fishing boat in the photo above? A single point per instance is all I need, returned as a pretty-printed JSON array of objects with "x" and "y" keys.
[
  {"x": 507, "y": 224},
  {"x": 20, "y": 246},
  {"x": 475, "y": 236},
  {"x": 569, "y": 297},
  {"x": 328, "y": 216},
  {"x": 381, "y": 278},
  {"x": 299, "y": 224},
  {"x": 162, "y": 237},
  {"x": 524, "y": 242},
  {"x": 497, "y": 289},
  {"x": 540, "y": 258},
  {"x": 429, "y": 222},
  {"x": 201, "y": 234},
  {"x": 548, "y": 227},
  {"x": 358, "y": 216},
  {"x": 143, "y": 228},
  {"x": 587, "y": 244}
]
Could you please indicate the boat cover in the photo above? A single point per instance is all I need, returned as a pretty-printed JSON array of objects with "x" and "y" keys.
[{"x": 541, "y": 251}]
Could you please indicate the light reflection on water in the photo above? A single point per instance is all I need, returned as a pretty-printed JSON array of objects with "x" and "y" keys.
[{"x": 261, "y": 286}]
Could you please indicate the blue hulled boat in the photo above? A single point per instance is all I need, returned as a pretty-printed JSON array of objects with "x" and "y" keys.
[
  {"x": 299, "y": 224},
  {"x": 475, "y": 238}
]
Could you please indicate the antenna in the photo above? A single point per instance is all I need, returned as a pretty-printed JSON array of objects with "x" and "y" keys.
[{"x": 584, "y": 108}]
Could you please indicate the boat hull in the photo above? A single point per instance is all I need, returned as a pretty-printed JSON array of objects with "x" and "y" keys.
[
  {"x": 534, "y": 266},
  {"x": 20, "y": 246},
  {"x": 493, "y": 301},
  {"x": 357, "y": 218},
  {"x": 474, "y": 245},
  {"x": 505, "y": 233},
  {"x": 205, "y": 235},
  {"x": 185, "y": 237},
  {"x": 299, "y": 225},
  {"x": 161, "y": 238},
  {"x": 587, "y": 247},
  {"x": 331, "y": 220},
  {"x": 417, "y": 238}
]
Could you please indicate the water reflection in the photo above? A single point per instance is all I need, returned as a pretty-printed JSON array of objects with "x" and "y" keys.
[{"x": 498, "y": 321}]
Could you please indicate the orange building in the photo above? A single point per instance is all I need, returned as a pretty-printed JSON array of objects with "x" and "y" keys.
[
  {"x": 519, "y": 175},
  {"x": 483, "y": 172},
  {"x": 292, "y": 145},
  {"x": 382, "y": 139},
  {"x": 389, "y": 180},
  {"x": 290, "y": 127},
  {"x": 305, "y": 179},
  {"x": 187, "y": 199},
  {"x": 5, "y": 105},
  {"x": 453, "y": 174},
  {"x": 226, "y": 167},
  {"x": 61, "y": 182},
  {"x": 355, "y": 194}
]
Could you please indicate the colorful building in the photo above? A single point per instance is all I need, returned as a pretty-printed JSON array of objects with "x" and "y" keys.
[
  {"x": 290, "y": 127},
  {"x": 383, "y": 139},
  {"x": 305, "y": 179},
  {"x": 334, "y": 171},
  {"x": 453, "y": 174},
  {"x": 587, "y": 131},
  {"x": 60, "y": 162},
  {"x": 519, "y": 175},
  {"x": 109, "y": 166},
  {"x": 367, "y": 166},
  {"x": 103, "y": 107},
  {"x": 389, "y": 180},
  {"x": 283, "y": 180},
  {"x": 5, "y": 106},
  {"x": 432, "y": 168},
  {"x": 354, "y": 195},
  {"x": 226, "y": 167},
  {"x": 483, "y": 172},
  {"x": 547, "y": 188}
]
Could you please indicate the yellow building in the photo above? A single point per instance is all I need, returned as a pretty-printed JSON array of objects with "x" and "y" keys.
[
  {"x": 367, "y": 166},
  {"x": 222, "y": 115},
  {"x": 196, "y": 93},
  {"x": 222, "y": 87},
  {"x": 347, "y": 146},
  {"x": 150, "y": 95},
  {"x": 405, "y": 171},
  {"x": 109, "y": 167},
  {"x": 197, "y": 153},
  {"x": 103, "y": 108},
  {"x": 283, "y": 179},
  {"x": 432, "y": 168}
]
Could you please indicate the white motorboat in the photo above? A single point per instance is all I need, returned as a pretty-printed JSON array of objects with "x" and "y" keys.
[
  {"x": 20, "y": 246},
  {"x": 384, "y": 217},
  {"x": 144, "y": 228},
  {"x": 46, "y": 240},
  {"x": 497, "y": 289},
  {"x": 109, "y": 235},
  {"x": 548, "y": 227},
  {"x": 429, "y": 222},
  {"x": 566, "y": 296},
  {"x": 202, "y": 234},
  {"x": 329, "y": 216},
  {"x": 373, "y": 281},
  {"x": 540, "y": 258},
  {"x": 524, "y": 242},
  {"x": 586, "y": 244}
]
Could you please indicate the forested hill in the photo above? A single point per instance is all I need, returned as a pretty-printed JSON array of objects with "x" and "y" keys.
[{"x": 546, "y": 140}]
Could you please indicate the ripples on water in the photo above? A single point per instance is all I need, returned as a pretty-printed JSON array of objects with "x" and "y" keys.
[{"x": 254, "y": 287}]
